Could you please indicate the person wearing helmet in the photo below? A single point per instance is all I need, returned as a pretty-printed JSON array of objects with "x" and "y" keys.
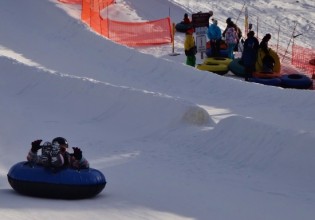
[{"x": 55, "y": 154}]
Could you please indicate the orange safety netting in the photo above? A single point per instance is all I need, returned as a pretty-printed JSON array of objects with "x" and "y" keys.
[
  {"x": 127, "y": 33},
  {"x": 303, "y": 58},
  {"x": 295, "y": 57},
  {"x": 144, "y": 33}
]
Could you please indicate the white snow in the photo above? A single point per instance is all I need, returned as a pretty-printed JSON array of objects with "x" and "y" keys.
[{"x": 173, "y": 142}]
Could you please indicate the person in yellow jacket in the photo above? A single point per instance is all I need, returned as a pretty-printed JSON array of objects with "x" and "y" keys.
[{"x": 190, "y": 48}]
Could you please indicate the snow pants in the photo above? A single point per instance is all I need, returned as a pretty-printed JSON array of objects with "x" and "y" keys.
[{"x": 191, "y": 61}]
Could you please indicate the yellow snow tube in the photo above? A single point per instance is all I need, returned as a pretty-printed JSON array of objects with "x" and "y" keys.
[
  {"x": 217, "y": 60},
  {"x": 260, "y": 57},
  {"x": 217, "y": 68}
]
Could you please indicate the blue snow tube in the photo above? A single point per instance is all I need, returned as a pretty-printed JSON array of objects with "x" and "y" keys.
[
  {"x": 266, "y": 81},
  {"x": 296, "y": 81},
  {"x": 237, "y": 68},
  {"x": 35, "y": 180}
]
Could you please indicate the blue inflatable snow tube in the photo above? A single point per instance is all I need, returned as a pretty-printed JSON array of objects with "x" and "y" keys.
[
  {"x": 35, "y": 180},
  {"x": 237, "y": 67},
  {"x": 296, "y": 81},
  {"x": 266, "y": 81}
]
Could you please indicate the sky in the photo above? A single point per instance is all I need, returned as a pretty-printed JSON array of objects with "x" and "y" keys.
[{"x": 173, "y": 142}]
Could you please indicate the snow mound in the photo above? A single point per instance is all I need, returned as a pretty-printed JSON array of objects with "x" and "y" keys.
[
  {"x": 264, "y": 148},
  {"x": 197, "y": 116}
]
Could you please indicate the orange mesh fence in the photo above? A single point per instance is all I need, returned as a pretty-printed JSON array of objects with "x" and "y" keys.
[
  {"x": 304, "y": 58},
  {"x": 86, "y": 12},
  {"x": 90, "y": 14},
  {"x": 138, "y": 34},
  {"x": 103, "y": 3},
  {"x": 296, "y": 57},
  {"x": 285, "y": 57},
  {"x": 127, "y": 33}
]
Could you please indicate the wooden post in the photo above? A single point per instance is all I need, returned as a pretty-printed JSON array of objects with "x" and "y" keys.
[{"x": 173, "y": 41}]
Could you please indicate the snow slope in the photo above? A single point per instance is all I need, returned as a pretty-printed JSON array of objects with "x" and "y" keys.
[{"x": 172, "y": 141}]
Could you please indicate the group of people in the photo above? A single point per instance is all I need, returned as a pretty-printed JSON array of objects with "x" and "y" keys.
[
  {"x": 232, "y": 35},
  {"x": 250, "y": 54},
  {"x": 55, "y": 155}
]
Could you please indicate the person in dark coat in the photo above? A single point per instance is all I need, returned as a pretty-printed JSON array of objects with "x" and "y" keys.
[
  {"x": 268, "y": 61},
  {"x": 264, "y": 43},
  {"x": 249, "y": 55}
]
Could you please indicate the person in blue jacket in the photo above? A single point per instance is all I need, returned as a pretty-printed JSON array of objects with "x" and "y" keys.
[{"x": 214, "y": 34}]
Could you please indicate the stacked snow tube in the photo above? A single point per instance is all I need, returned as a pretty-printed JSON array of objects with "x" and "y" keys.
[
  {"x": 266, "y": 81},
  {"x": 296, "y": 81},
  {"x": 237, "y": 68},
  {"x": 218, "y": 65},
  {"x": 260, "y": 57},
  {"x": 38, "y": 181},
  {"x": 219, "y": 60},
  {"x": 266, "y": 78}
]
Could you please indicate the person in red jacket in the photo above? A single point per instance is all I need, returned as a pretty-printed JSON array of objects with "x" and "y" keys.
[{"x": 55, "y": 154}]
